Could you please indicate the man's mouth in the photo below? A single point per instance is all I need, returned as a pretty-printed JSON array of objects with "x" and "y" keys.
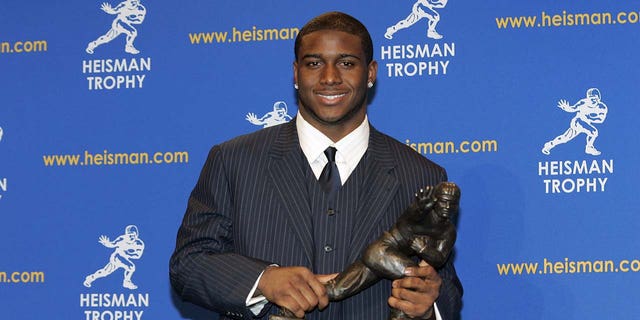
[{"x": 330, "y": 98}]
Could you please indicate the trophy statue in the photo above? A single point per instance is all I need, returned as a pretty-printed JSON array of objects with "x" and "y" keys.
[{"x": 424, "y": 230}]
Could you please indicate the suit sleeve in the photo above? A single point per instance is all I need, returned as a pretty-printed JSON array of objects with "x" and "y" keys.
[{"x": 204, "y": 268}]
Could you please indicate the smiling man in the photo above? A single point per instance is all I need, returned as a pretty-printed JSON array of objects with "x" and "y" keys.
[
  {"x": 276, "y": 213},
  {"x": 332, "y": 74}
]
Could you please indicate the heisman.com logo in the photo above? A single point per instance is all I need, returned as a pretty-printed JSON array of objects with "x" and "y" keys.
[{"x": 588, "y": 173}]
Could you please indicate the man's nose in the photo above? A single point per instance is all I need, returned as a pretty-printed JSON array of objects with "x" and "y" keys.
[{"x": 331, "y": 75}]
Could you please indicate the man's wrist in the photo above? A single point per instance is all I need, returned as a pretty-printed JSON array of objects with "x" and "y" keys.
[{"x": 256, "y": 301}]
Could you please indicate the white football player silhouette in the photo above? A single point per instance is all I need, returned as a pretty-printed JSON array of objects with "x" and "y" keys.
[
  {"x": 127, "y": 247},
  {"x": 277, "y": 116},
  {"x": 421, "y": 9},
  {"x": 128, "y": 13},
  {"x": 589, "y": 111}
]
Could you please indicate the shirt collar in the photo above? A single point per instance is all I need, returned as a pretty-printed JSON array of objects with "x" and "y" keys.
[{"x": 351, "y": 148}]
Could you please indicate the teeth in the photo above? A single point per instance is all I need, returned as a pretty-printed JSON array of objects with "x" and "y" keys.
[{"x": 332, "y": 96}]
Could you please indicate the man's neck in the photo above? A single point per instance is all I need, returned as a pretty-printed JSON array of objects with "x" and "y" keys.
[{"x": 335, "y": 132}]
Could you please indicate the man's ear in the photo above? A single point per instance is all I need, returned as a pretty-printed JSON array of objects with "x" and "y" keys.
[{"x": 372, "y": 73}]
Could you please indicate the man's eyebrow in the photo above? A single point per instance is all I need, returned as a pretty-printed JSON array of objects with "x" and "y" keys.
[
  {"x": 348, "y": 55},
  {"x": 312, "y": 55},
  {"x": 319, "y": 56}
]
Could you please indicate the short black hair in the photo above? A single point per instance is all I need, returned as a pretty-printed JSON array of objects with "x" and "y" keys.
[{"x": 337, "y": 21}]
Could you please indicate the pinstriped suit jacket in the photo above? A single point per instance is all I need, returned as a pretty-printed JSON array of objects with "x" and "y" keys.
[{"x": 250, "y": 209}]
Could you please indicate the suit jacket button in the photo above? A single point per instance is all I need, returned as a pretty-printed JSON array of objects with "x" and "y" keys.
[
  {"x": 328, "y": 248},
  {"x": 331, "y": 212}
]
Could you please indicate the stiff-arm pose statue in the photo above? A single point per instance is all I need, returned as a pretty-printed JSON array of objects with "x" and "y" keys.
[{"x": 424, "y": 230}]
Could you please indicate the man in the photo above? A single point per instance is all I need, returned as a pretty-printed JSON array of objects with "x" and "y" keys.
[
  {"x": 128, "y": 13},
  {"x": 589, "y": 111},
  {"x": 261, "y": 234}
]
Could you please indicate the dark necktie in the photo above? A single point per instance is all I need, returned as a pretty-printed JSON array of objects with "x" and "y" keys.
[{"x": 330, "y": 177}]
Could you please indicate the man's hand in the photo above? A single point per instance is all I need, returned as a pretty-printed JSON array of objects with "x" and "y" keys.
[
  {"x": 295, "y": 288},
  {"x": 416, "y": 293}
]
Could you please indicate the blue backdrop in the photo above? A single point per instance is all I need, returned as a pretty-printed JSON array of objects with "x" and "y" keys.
[{"x": 108, "y": 110}]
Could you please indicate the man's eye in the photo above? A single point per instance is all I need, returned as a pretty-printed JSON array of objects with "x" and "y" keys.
[
  {"x": 313, "y": 63},
  {"x": 347, "y": 64}
]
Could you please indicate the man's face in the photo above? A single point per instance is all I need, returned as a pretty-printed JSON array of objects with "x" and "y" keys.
[
  {"x": 332, "y": 75},
  {"x": 446, "y": 205}
]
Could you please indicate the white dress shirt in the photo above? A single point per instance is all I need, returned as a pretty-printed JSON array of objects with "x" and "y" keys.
[{"x": 350, "y": 149}]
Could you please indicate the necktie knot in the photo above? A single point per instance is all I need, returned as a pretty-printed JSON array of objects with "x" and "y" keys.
[{"x": 330, "y": 153}]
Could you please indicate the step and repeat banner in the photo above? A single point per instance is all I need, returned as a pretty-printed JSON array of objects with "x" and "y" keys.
[{"x": 108, "y": 110}]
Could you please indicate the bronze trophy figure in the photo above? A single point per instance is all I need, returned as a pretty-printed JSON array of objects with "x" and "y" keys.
[{"x": 424, "y": 230}]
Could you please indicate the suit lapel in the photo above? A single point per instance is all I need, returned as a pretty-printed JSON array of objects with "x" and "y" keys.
[
  {"x": 288, "y": 178},
  {"x": 381, "y": 187}
]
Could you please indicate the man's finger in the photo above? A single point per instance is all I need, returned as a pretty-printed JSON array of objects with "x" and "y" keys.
[
  {"x": 324, "y": 278},
  {"x": 320, "y": 290},
  {"x": 423, "y": 270},
  {"x": 412, "y": 310},
  {"x": 306, "y": 297},
  {"x": 413, "y": 283},
  {"x": 294, "y": 288}
]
